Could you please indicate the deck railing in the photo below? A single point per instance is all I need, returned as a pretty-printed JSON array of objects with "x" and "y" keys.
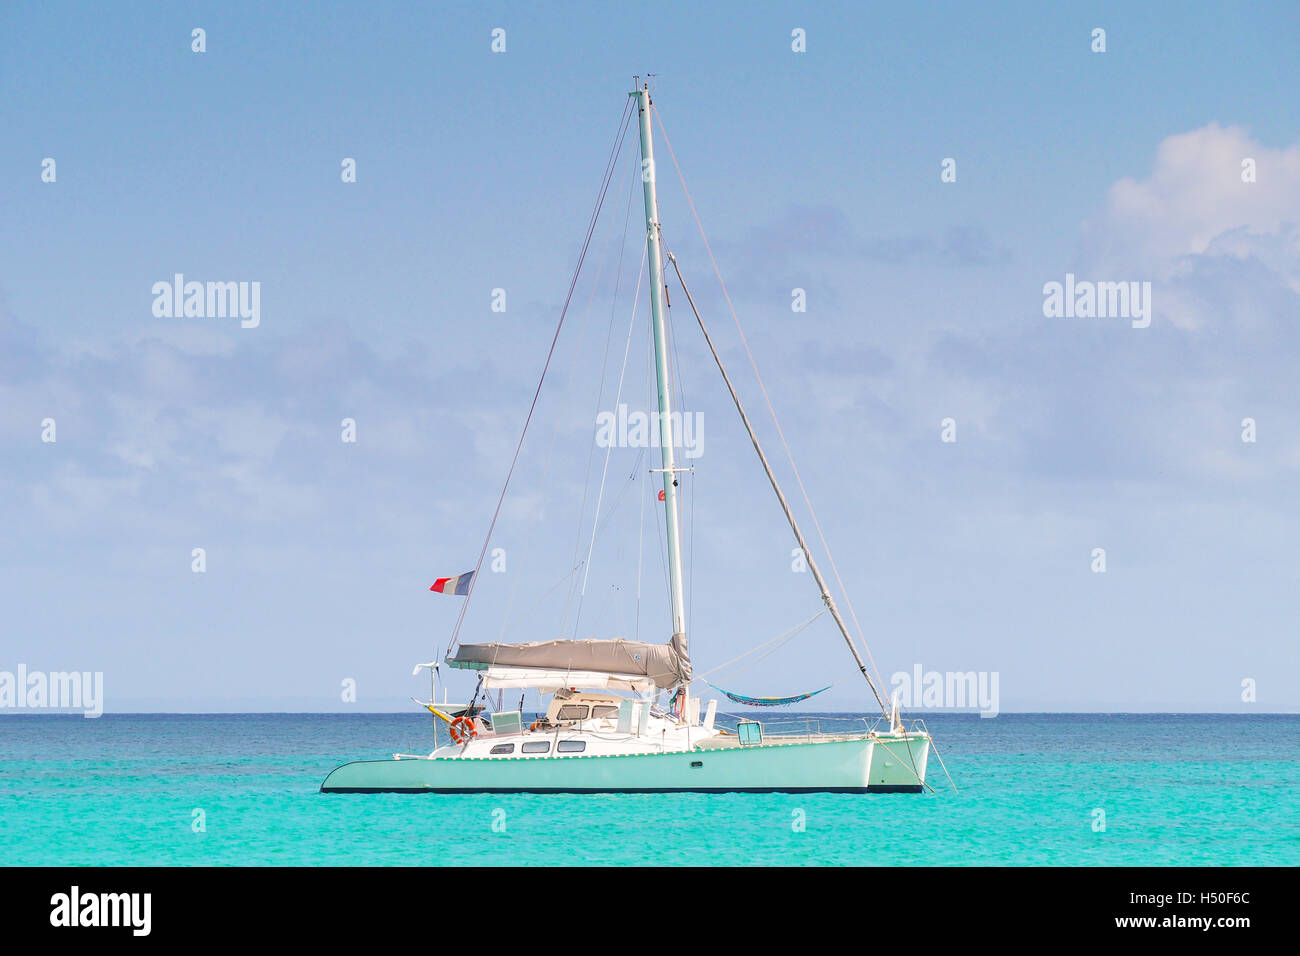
[{"x": 813, "y": 728}]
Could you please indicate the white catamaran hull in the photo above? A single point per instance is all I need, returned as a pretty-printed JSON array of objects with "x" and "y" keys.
[{"x": 843, "y": 766}]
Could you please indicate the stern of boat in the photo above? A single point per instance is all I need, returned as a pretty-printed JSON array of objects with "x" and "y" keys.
[{"x": 898, "y": 762}]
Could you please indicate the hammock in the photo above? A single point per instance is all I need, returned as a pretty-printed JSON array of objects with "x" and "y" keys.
[{"x": 767, "y": 701}]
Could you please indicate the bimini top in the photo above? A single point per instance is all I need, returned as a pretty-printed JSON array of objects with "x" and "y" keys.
[{"x": 667, "y": 665}]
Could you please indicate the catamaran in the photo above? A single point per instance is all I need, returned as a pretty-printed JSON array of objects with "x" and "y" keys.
[{"x": 604, "y": 729}]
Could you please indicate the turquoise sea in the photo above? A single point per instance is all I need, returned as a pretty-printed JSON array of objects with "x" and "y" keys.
[{"x": 124, "y": 790}]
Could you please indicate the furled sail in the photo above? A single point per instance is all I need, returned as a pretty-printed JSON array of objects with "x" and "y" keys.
[{"x": 666, "y": 664}]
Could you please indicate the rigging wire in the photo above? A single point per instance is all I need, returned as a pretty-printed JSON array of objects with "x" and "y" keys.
[
  {"x": 822, "y": 586},
  {"x": 604, "y": 525},
  {"x": 783, "y": 638},
  {"x": 640, "y": 551},
  {"x": 767, "y": 399},
  {"x": 661, "y": 528},
  {"x": 690, "y": 517},
  {"x": 618, "y": 395},
  {"x": 559, "y": 417},
  {"x": 624, "y": 121},
  {"x": 600, "y": 391},
  {"x": 640, "y": 554},
  {"x": 619, "y": 498}
]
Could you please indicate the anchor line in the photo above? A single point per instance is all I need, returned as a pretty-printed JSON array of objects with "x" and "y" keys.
[{"x": 951, "y": 782}]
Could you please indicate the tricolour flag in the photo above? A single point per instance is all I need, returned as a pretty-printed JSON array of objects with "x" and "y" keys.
[{"x": 457, "y": 585}]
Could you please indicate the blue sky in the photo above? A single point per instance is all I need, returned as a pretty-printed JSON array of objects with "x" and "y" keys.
[{"x": 817, "y": 170}]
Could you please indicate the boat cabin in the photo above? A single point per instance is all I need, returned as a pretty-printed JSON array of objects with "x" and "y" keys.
[{"x": 573, "y": 706}]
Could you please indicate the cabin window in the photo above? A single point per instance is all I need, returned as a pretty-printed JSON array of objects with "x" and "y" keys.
[
  {"x": 571, "y": 746},
  {"x": 604, "y": 710},
  {"x": 573, "y": 712},
  {"x": 503, "y": 749},
  {"x": 537, "y": 747}
]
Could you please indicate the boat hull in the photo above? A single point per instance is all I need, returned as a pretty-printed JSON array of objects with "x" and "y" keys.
[
  {"x": 842, "y": 766},
  {"x": 898, "y": 763}
]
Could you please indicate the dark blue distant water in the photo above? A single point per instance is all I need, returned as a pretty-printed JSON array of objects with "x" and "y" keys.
[{"x": 124, "y": 789}]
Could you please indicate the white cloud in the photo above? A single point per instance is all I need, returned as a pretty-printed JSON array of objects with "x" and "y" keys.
[
  {"x": 1223, "y": 254},
  {"x": 1193, "y": 196}
]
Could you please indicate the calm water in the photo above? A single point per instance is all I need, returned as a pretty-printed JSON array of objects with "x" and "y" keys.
[{"x": 123, "y": 789}]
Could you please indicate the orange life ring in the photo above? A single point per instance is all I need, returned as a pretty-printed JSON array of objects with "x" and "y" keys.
[
  {"x": 534, "y": 725},
  {"x": 462, "y": 729}
]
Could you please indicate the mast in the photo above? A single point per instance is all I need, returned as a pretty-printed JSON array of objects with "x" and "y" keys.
[{"x": 666, "y": 437}]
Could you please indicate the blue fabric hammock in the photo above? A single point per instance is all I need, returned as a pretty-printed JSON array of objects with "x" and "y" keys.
[{"x": 767, "y": 701}]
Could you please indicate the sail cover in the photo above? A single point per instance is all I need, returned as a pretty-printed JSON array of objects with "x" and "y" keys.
[{"x": 666, "y": 664}]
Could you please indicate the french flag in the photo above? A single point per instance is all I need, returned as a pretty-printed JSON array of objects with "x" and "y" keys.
[{"x": 457, "y": 585}]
